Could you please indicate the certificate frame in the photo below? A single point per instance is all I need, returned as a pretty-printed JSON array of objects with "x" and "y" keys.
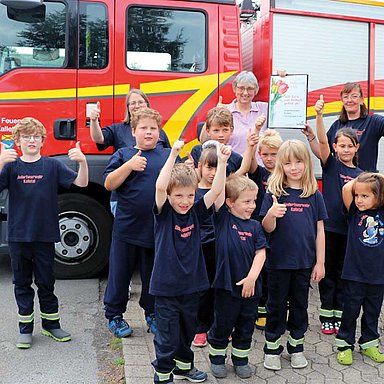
[{"x": 288, "y": 99}]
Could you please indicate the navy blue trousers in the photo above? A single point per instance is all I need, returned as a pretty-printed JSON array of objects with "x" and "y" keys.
[
  {"x": 176, "y": 319},
  {"x": 331, "y": 286},
  {"x": 357, "y": 295},
  {"x": 122, "y": 261},
  {"x": 264, "y": 293},
  {"x": 205, "y": 313},
  {"x": 287, "y": 285},
  {"x": 28, "y": 261},
  {"x": 234, "y": 316}
]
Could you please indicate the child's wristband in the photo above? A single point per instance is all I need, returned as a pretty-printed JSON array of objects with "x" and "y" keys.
[{"x": 309, "y": 140}]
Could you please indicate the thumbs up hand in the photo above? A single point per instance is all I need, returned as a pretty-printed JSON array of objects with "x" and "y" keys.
[
  {"x": 189, "y": 162},
  {"x": 277, "y": 210},
  {"x": 7, "y": 155},
  {"x": 220, "y": 102},
  {"x": 137, "y": 162},
  {"x": 96, "y": 112},
  {"x": 319, "y": 106},
  {"x": 75, "y": 154}
]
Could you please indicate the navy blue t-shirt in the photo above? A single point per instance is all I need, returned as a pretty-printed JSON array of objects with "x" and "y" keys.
[
  {"x": 233, "y": 164},
  {"x": 33, "y": 190},
  {"x": 207, "y": 232},
  {"x": 179, "y": 267},
  {"x": 335, "y": 176},
  {"x": 293, "y": 242},
  {"x": 260, "y": 177},
  {"x": 369, "y": 131},
  {"x": 364, "y": 259},
  {"x": 237, "y": 241},
  {"x": 135, "y": 197},
  {"x": 119, "y": 135}
]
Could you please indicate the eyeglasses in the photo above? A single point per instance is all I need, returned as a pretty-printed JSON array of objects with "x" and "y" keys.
[
  {"x": 350, "y": 97},
  {"x": 139, "y": 103},
  {"x": 248, "y": 89},
  {"x": 29, "y": 137}
]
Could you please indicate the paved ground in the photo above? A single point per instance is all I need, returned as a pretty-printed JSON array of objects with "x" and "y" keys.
[{"x": 319, "y": 349}]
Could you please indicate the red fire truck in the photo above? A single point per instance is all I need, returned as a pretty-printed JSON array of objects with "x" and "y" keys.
[{"x": 59, "y": 57}]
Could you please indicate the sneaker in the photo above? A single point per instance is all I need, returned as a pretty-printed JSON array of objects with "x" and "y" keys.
[
  {"x": 57, "y": 334},
  {"x": 345, "y": 357},
  {"x": 200, "y": 340},
  {"x": 24, "y": 341},
  {"x": 272, "y": 362},
  {"x": 219, "y": 370},
  {"x": 374, "y": 354},
  {"x": 119, "y": 327},
  {"x": 298, "y": 360},
  {"x": 260, "y": 323},
  {"x": 337, "y": 326},
  {"x": 151, "y": 322},
  {"x": 243, "y": 371},
  {"x": 193, "y": 375},
  {"x": 327, "y": 327},
  {"x": 156, "y": 379}
]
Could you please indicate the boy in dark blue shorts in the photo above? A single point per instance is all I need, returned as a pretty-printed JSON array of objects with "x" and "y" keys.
[
  {"x": 179, "y": 272},
  {"x": 33, "y": 225},
  {"x": 132, "y": 173},
  {"x": 240, "y": 256}
]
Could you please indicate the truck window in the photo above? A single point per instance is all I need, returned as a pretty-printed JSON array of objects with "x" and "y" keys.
[
  {"x": 93, "y": 36},
  {"x": 33, "y": 44},
  {"x": 171, "y": 40}
]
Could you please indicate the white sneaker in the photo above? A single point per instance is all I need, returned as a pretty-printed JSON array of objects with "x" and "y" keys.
[
  {"x": 272, "y": 362},
  {"x": 298, "y": 360}
]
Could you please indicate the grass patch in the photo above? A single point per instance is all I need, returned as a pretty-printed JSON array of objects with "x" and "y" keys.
[
  {"x": 119, "y": 361},
  {"x": 116, "y": 343}
]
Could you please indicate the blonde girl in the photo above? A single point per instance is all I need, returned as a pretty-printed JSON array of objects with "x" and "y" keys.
[
  {"x": 293, "y": 211},
  {"x": 363, "y": 271}
]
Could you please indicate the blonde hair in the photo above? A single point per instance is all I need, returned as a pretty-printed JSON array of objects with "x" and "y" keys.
[
  {"x": 278, "y": 180},
  {"x": 220, "y": 116},
  {"x": 144, "y": 113},
  {"x": 270, "y": 139},
  {"x": 182, "y": 176},
  {"x": 28, "y": 126},
  {"x": 236, "y": 184}
]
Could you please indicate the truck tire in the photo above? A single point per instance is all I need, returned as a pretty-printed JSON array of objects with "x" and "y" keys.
[{"x": 85, "y": 233}]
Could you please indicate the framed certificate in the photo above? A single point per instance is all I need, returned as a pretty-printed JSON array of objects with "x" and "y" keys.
[{"x": 287, "y": 106}]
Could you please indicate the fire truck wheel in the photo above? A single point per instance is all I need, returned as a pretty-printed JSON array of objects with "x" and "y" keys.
[{"x": 85, "y": 234}]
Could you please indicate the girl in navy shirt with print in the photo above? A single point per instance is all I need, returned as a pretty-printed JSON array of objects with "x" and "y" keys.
[
  {"x": 363, "y": 270},
  {"x": 293, "y": 211},
  {"x": 338, "y": 169}
]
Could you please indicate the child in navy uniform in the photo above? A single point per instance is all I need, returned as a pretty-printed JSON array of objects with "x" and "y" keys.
[
  {"x": 132, "y": 173},
  {"x": 219, "y": 126},
  {"x": 240, "y": 254},
  {"x": 338, "y": 169},
  {"x": 179, "y": 273},
  {"x": 293, "y": 211},
  {"x": 363, "y": 270},
  {"x": 33, "y": 226}
]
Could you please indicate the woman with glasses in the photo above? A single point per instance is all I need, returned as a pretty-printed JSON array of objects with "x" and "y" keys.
[
  {"x": 119, "y": 135},
  {"x": 369, "y": 128}
]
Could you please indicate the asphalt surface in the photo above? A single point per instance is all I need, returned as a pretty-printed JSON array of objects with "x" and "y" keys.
[
  {"x": 319, "y": 349},
  {"x": 49, "y": 361}
]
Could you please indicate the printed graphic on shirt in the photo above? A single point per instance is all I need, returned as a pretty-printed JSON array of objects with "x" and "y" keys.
[
  {"x": 373, "y": 232},
  {"x": 185, "y": 232},
  {"x": 29, "y": 179},
  {"x": 242, "y": 234},
  {"x": 297, "y": 207},
  {"x": 345, "y": 178}
]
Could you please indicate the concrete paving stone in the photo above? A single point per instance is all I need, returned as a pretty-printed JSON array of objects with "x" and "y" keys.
[
  {"x": 139, "y": 371},
  {"x": 136, "y": 360},
  {"x": 294, "y": 375},
  {"x": 277, "y": 379},
  {"x": 315, "y": 358},
  {"x": 331, "y": 373},
  {"x": 324, "y": 349},
  {"x": 333, "y": 381},
  {"x": 352, "y": 376},
  {"x": 315, "y": 378},
  {"x": 372, "y": 379}
]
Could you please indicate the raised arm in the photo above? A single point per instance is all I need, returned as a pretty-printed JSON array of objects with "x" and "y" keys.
[
  {"x": 7, "y": 156},
  {"x": 324, "y": 150},
  {"x": 117, "y": 177},
  {"x": 249, "y": 163},
  {"x": 276, "y": 211},
  {"x": 347, "y": 194},
  {"x": 95, "y": 129},
  {"x": 218, "y": 184},
  {"x": 75, "y": 154},
  {"x": 165, "y": 174}
]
